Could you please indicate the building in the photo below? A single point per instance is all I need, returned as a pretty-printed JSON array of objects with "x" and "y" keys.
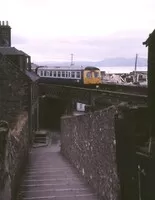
[
  {"x": 18, "y": 83},
  {"x": 5, "y": 34}
]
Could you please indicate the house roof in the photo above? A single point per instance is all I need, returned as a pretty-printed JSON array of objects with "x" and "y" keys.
[
  {"x": 32, "y": 75},
  {"x": 23, "y": 53},
  {"x": 150, "y": 39},
  {"x": 5, "y": 63},
  {"x": 11, "y": 51}
]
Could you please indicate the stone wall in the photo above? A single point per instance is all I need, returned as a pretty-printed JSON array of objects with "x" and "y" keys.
[
  {"x": 14, "y": 92},
  {"x": 88, "y": 141},
  {"x": 13, "y": 157},
  {"x": 18, "y": 105}
]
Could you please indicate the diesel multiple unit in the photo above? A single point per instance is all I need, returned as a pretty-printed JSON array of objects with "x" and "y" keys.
[{"x": 70, "y": 75}]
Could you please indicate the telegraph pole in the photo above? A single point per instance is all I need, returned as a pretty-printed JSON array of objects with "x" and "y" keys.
[
  {"x": 135, "y": 72},
  {"x": 72, "y": 63}
]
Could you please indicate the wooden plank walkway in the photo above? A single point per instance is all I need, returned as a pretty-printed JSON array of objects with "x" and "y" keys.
[{"x": 49, "y": 176}]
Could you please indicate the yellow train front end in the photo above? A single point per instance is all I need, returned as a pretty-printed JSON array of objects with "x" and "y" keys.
[{"x": 92, "y": 76}]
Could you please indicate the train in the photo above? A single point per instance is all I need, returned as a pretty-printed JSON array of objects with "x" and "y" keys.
[{"x": 75, "y": 76}]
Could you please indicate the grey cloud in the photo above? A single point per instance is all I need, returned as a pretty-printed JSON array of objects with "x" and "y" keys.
[
  {"x": 118, "y": 38},
  {"x": 16, "y": 39},
  {"x": 95, "y": 48}
]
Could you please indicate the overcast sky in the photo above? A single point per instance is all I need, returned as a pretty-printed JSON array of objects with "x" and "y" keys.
[{"x": 90, "y": 29}]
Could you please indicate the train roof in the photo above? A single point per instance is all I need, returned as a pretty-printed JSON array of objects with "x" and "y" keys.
[{"x": 68, "y": 68}]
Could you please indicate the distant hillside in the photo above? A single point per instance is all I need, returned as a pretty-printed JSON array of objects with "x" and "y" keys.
[
  {"x": 122, "y": 62},
  {"x": 108, "y": 62}
]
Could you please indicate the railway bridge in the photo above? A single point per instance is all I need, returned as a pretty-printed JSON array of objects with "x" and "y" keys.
[
  {"x": 56, "y": 100},
  {"x": 106, "y": 153}
]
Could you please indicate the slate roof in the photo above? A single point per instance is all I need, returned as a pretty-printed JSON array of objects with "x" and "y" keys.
[
  {"x": 23, "y": 53},
  {"x": 31, "y": 76},
  {"x": 11, "y": 51}
]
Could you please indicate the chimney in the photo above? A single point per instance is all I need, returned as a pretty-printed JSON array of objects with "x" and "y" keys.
[{"x": 5, "y": 34}]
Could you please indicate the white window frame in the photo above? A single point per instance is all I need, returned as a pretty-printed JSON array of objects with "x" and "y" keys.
[
  {"x": 41, "y": 73},
  {"x": 74, "y": 75},
  {"x": 51, "y": 73},
  {"x": 63, "y": 72},
  {"x": 55, "y": 72},
  {"x": 59, "y": 74},
  {"x": 79, "y": 74},
  {"x": 68, "y": 73},
  {"x": 47, "y": 73}
]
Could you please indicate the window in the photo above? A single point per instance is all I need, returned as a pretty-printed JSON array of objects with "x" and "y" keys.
[
  {"x": 47, "y": 73},
  {"x": 54, "y": 74},
  {"x": 96, "y": 74},
  {"x": 51, "y": 73},
  {"x": 72, "y": 74},
  {"x": 78, "y": 75},
  {"x": 27, "y": 60},
  {"x": 44, "y": 73},
  {"x": 41, "y": 73},
  {"x": 63, "y": 74},
  {"x": 89, "y": 75},
  {"x": 80, "y": 105},
  {"x": 68, "y": 74},
  {"x": 59, "y": 74}
]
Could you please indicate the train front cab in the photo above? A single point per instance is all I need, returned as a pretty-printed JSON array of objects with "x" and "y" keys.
[{"x": 92, "y": 77}]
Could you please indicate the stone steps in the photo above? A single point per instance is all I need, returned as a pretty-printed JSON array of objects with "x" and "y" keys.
[{"x": 49, "y": 176}]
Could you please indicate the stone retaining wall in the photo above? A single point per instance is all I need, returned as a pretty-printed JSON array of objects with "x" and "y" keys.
[
  {"x": 14, "y": 157},
  {"x": 88, "y": 141}
]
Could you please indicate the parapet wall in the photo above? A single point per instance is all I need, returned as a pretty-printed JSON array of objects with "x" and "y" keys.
[
  {"x": 13, "y": 156},
  {"x": 88, "y": 141}
]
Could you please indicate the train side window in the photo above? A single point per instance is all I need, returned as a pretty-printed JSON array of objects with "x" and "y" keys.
[
  {"x": 68, "y": 74},
  {"x": 88, "y": 75},
  {"x": 96, "y": 74},
  {"x": 54, "y": 74},
  {"x": 44, "y": 73},
  {"x": 78, "y": 75},
  {"x": 59, "y": 74},
  {"x": 41, "y": 73},
  {"x": 72, "y": 74},
  {"x": 51, "y": 73},
  {"x": 47, "y": 73},
  {"x": 63, "y": 74}
]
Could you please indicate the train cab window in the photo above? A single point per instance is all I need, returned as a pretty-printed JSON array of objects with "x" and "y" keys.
[
  {"x": 59, "y": 74},
  {"x": 89, "y": 75},
  {"x": 96, "y": 74},
  {"x": 72, "y": 74},
  {"x": 78, "y": 75},
  {"x": 54, "y": 74},
  {"x": 63, "y": 74}
]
